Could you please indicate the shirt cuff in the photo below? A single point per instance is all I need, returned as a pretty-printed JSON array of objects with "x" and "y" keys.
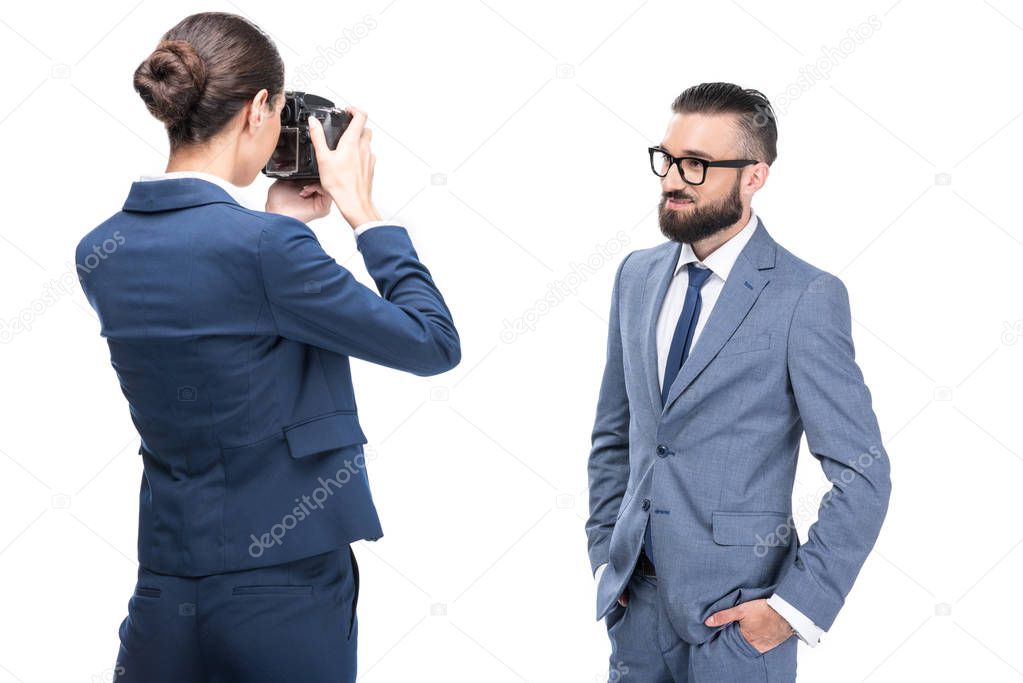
[
  {"x": 807, "y": 631},
  {"x": 600, "y": 570},
  {"x": 371, "y": 224}
]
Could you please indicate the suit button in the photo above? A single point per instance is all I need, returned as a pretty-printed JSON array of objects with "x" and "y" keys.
[
  {"x": 646, "y": 503},
  {"x": 662, "y": 450}
]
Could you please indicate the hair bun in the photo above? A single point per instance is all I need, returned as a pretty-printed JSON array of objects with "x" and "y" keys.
[{"x": 171, "y": 81}]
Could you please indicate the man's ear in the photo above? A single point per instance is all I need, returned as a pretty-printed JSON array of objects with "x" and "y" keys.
[{"x": 756, "y": 178}]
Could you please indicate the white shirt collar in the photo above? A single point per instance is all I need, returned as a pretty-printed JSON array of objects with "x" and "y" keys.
[
  {"x": 721, "y": 260},
  {"x": 233, "y": 190}
]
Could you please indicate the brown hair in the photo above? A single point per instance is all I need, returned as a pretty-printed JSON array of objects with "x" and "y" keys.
[
  {"x": 203, "y": 72},
  {"x": 757, "y": 127}
]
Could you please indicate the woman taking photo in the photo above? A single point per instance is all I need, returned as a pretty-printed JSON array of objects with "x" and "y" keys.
[{"x": 230, "y": 331}]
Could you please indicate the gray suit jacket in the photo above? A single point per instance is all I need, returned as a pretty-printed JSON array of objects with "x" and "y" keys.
[{"x": 714, "y": 468}]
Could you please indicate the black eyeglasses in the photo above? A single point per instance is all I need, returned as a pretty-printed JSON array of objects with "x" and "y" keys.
[{"x": 692, "y": 169}]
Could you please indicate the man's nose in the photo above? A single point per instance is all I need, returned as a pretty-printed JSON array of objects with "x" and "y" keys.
[{"x": 673, "y": 181}]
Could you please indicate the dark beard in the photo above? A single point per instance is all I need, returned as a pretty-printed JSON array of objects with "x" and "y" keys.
[{"x": 702, "y": 221}]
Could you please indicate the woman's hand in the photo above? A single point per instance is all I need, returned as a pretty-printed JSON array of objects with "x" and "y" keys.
[
  {"x": 346, "y": 173},
  {"x": 298, "y": 199}
]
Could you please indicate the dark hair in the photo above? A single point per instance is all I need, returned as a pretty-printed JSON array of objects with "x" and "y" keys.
[
  {"x": 758, "y": 132},
  {"x": 203, "y": 72}
]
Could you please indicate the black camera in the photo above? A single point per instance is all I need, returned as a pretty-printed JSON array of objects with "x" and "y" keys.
[{"x": 294, "y": 158}]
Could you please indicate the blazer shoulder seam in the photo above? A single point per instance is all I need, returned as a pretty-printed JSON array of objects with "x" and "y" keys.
[{"x": 818, "y": 275}]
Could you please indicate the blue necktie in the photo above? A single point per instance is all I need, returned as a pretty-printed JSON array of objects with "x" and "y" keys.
[
  {"x": 683, "y": 337},
  {"x": 679, "y": 351}
]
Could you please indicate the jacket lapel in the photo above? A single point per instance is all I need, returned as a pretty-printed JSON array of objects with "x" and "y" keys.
[{"x": 746, "y": 280}]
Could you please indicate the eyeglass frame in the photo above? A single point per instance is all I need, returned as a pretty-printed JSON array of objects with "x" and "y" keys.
[{"x": 677, "y": 163}]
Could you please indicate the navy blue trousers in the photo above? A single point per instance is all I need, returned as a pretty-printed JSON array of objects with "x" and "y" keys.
[{"x": 288, "y": 622}]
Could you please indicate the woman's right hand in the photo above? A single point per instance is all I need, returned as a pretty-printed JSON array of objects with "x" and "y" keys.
[{"x": 346, "y": 173}]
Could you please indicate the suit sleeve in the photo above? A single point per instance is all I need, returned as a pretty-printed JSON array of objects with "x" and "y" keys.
[
  {"x": 608, "y": 466},
  {"x": 315, "y": 300},
  {"x": 842, "y": 433}
]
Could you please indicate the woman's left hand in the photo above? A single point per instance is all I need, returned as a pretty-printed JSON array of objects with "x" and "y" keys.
[{"x": 305, "y": 201}]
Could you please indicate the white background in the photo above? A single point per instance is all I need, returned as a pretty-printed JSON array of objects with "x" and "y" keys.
[{"x": 511, "y": 141}]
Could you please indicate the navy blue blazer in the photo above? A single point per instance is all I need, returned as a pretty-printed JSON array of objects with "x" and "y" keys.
[{"x": 230, "y": 331}]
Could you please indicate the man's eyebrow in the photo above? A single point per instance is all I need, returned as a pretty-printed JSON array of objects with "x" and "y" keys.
[
  {"x": 689, "y": 153},
  {"x": 697, "y": 153}
]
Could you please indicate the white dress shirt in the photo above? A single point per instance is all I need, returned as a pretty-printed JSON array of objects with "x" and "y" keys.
[
  {"x": 720, "y": 262},
  {"x": 236, "y": 192}
]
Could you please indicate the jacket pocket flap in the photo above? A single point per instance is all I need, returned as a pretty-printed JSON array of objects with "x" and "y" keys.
[
  {"x": 749, "y": 342},
  {"x": 752, "y": 528},
  {"x": 324, "y": 433}
]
